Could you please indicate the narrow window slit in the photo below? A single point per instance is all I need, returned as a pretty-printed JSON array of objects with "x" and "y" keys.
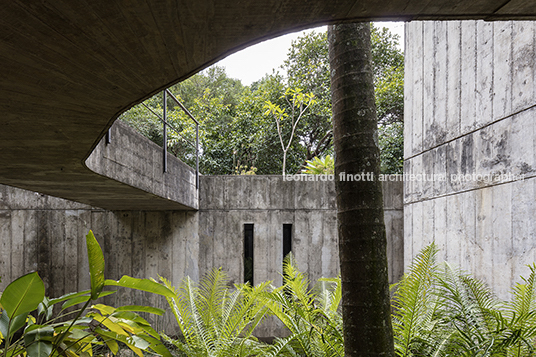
[{"x": 248, "y": 253}]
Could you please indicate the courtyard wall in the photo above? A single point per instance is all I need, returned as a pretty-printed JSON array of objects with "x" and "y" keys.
[
  {"x": 46, "y": 234},
  {"x": 470, "y": 119}
]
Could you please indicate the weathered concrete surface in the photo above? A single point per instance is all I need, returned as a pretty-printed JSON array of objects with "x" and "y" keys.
[
  {"x": 46, "y": 234},
  {"x": 69, "y": 68},
  {"x": 470, "y": 109},
  {"x": 132, "y": 159},
  {"x": 226, "y": 203}
]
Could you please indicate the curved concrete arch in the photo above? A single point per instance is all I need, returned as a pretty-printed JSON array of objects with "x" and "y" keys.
[{"x": 69, "y": 68}]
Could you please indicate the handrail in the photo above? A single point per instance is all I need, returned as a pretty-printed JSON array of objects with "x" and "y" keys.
[
  {"x": 177, "y": 131},
  {"x": 182, "y": 106},
  {"x": 166, "y": 124},
  {"x": 166, "y": 91}
]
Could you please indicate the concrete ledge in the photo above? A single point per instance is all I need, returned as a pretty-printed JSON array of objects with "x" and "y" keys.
[
  {"x": 271, "y": 192},
  {"x": 132, "y": 159}
]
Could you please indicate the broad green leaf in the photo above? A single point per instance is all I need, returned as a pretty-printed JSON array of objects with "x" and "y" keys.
[
  {"x": 137, "y": 308},
  {"x": 37, "y": 339},
  {"x": 4, "y": 323},
  {"x": 38, "y": 333},
  {"x": 135, "y": 343},
  {"x": 39, "y": 349},
  {"x": 96, "y": 265},
  {"x": 141, "y": 284},
  {"x": 110, "y": 323},
  {"x": 16, "y": 323},
  {"x": 104, "y": 309},
  {"x": 129, "y": 326},
  {"x": 82, "y": 299},
  {"x": 23, "y": 295},
  {"x": 68, "y": 296},
  {"x": 129, "y": 315},
  {"x": 150, "y": 331},
  {"x": 77, "y": 334},
  {"x": 112, "y": 345},
  {"x": 158, "y": 346}
]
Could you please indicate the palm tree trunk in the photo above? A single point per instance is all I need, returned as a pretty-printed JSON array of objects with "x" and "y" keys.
[{"x": 362, "y": 241}]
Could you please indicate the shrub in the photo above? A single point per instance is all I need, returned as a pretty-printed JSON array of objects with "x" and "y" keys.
[{"x": 26, "y": 310}]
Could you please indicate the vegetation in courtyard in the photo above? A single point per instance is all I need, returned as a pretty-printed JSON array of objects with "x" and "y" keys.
[
  {"x": 312, "y": 315},
  {"x": 320, "y": 166},
  {"x": 437, "y": 310},
  {"x": 236, "y": 133},
  {"x": 72, "y": 325},
  {"x": 215, "y": 321}
]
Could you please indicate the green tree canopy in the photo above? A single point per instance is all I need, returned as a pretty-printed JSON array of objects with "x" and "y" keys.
[{"x": 234, "y": 132}]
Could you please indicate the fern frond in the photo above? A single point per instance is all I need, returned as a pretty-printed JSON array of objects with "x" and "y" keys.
[
  {"x": 413, "y": 301},
  {"x": 521, "y": 312},
  {"x": 214, "y": 320}
]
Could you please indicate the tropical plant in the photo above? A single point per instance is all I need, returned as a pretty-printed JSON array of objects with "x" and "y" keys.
[
  {"x": 215, "y": 321},
  {"x": 312, "y": 315},
  {"x": 25, "y": 311},
  {"x": 245, "y": 170},
  {"x": 320, "y": 166},
  {"x": 442, "y": 311},
  {"x": 414, "y": 304},
  {"x": 362, "y": 240}
]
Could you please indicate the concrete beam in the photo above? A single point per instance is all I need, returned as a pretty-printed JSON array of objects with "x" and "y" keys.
[{"x": 70, "y": 68}]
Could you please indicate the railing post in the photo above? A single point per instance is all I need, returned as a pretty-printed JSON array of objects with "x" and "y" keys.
[
  {"x": 197, "y": 155},
  {"x": 164, "y": 144}
]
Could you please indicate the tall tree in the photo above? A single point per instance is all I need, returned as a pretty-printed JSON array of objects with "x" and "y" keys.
[
  {"x": 362, "y": 241},
  {"x": 298, "y": 102}
]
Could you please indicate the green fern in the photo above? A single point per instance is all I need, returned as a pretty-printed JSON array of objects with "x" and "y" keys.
[
  {"x": 521, "y": 316},
  {"x": 446, "y": 312},
  {"x": 414, "y": 304},
  {"x": 312, "y": 315},
  {"x": 438, "y": 310},
  {"x": 467, "y": 307},
  {"x": 215, "y": 321}
]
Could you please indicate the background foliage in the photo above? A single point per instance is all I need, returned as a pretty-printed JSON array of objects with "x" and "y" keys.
[{"x": 235, "y": 132}]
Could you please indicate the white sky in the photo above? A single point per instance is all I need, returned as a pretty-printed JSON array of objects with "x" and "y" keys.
[{"x": 252, "y": 63}]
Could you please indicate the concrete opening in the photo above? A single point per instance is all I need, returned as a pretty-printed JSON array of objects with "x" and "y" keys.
[
  {"x": 287, "y": 239},
  {"x": 248, "y": 253}
]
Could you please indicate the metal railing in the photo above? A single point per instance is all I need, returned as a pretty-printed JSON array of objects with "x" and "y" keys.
[{"x": 166, "y": 124}]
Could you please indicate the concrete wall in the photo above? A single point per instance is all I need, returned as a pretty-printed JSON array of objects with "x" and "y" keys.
[
  {"x": 228, "y": 202},
  {"x": 132, "y": 159},
  {"x": 469, "y": 109},
  {"x": 46, "y": 234}
]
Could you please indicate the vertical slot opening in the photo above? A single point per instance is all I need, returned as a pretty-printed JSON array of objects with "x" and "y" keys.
[
  {"x": 287, "y": 239},
  {"x": 287, "y": 244},
  {"x": 248, "y": 253}
]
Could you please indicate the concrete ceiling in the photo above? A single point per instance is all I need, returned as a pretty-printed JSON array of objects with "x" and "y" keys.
[{"x": 69, "y": 68}]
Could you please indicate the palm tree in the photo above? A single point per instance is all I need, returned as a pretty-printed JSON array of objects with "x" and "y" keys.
[{"x": 362, "y": 241}]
